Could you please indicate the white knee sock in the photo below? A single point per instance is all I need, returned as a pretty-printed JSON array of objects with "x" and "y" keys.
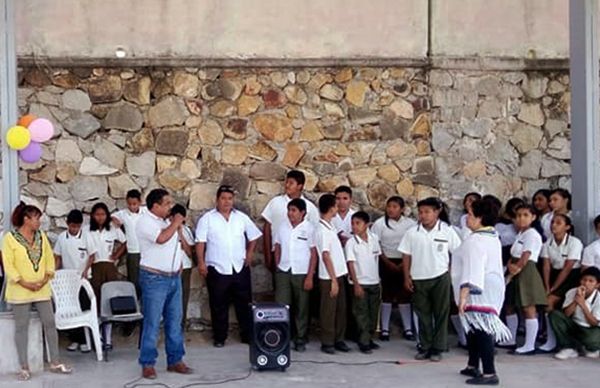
[
  {"x": 512, "y": 321},
  {"x": 551, "y": 340},
  {"x": 386, "y": 314},
  {"x": 107, "y": 333},
  {"x": 462, "y": 338},
  {"x": 405, "y": 316},
  {"x": 531, "y": 331}
]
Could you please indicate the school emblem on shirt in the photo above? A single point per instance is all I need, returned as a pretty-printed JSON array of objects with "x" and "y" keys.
[{"x": 440, "y": 247}]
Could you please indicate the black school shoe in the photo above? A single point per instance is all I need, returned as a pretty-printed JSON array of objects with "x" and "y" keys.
[
  {"x": 374, "y": 345},
  {"x": 300, "y": 346},
  {"x": 422, "y": 355},
  {"x": 471, "y": 372},
  {"x": 328, "y": 349},
  {"x": 366, "y": 349},
  {"x": 384, "y": 336},
  {"x": 342, "y": 347},
  {"x": 491, "y": 380},
  {"x": 408, "y": 335}
]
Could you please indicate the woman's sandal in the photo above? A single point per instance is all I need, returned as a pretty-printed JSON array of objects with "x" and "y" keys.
[
  {"x": 61, "y": 369},
  {"x": 24, "y": 375}
]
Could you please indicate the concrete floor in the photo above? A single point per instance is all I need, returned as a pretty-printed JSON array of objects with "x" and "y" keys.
[{"x": 213, "y": 365}]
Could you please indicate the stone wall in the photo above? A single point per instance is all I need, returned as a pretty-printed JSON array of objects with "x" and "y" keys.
[{"x": 410, "y": 131}]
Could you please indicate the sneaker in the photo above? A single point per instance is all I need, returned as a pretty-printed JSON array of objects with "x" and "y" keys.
[
  {"x": 84, "y": 348},
  {"x": 566, "y": 354},
  {"x": 73, "y": 347},
  {"x": 435, "y": 357},
  {"x": 594, "y": 354},
  {"x": 421, "y": 356}
]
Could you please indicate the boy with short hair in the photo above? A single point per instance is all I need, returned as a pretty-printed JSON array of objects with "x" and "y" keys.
[
  {"x": 276, "y": 212},
  {"x": 362, "y": 256},
  {"x": 591, "y": 253},
  {"x": 296, "y": 259},
  {"x": 75, "y": 250},
  {"x": 578, "y": 324},
  {"x": 332, "y": 272},
  {"x": 128, "y": 218},
  {"x": 342, "y": 220}
]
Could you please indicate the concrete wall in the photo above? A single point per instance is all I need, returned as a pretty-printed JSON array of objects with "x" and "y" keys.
[
  {"x": 223, "y": 28},
  {"x": 292, "y": 29}
]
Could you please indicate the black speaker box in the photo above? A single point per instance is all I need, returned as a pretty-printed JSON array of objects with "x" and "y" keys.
[{"x": 270, "y": 345}]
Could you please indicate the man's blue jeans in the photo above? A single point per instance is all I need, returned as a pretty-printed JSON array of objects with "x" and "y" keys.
[{"x": 161, "y": 296}]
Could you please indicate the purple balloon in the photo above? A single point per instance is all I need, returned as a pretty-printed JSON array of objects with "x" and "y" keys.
[{"x": 32, "y": 153}]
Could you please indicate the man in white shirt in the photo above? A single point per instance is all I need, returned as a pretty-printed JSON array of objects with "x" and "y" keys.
[
  {"x": 296, "y": 260},
  {"x": 578, "y": 325},
  {"x": 225, "y": 243},
  {"x": 128, "y": 218},
  {"x": 276, "y": 212},
  {"x": 160, "y": 281},
  {"x": 75, "y": 250},
  {"x": 426, "y": 250},
  {"x": 332, "y": 272}
]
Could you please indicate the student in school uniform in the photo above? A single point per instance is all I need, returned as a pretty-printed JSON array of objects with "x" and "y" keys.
[
  {"x": 462, "y": 228},
  {"x": 332, "y": 272},
  {"x": 541, "y": 202},
  {"x": 342, "y": 220},
  {"x": 128, "y": 218},
  {"x": 562, "y": 260},
  {"x": 524, "y": 279},
  {"x": 362, "y": 256},
  {"x": 109, "y": 242},
  {"x": 225, "y": 243},
  {"x": 185, "y": 251},
  {"x": 276, "y": 212},
  {"x": 75, "y": 250},
  {"x": 296, "y": 260},
  {"x": 591, "y": 253},
  {"x": 577, "y": 326},
  {"x": 478, "y": 285},
  {"x": 560, "y": 203},
  {"x": 426, "y": 250},
  {"x": 389, "y": 230}
]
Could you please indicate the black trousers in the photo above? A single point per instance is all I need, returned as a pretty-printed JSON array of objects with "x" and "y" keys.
[
  {"x": 224, "y": 290},
  {"x": 481, "y": 347}
]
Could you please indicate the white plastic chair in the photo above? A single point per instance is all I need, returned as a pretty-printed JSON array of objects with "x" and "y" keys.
[
  {"x": 113, "y": 289},
  {"x": 65, "y": 293}
]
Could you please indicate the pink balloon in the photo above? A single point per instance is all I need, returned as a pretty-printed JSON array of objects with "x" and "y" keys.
[
  {"x": 32, "y": 153},
  {"x": 41, "y": 130}
]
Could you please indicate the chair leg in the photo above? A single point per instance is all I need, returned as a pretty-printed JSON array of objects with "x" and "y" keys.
[
  {"x": 97, "y": 342},
  {"x": 86, "y": 330}
]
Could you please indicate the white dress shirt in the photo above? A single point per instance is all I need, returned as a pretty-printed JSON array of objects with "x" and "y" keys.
[
  {"x": 74, "y": 251},
  {"x": 429, "y": 249},
  {"x": 391, "y": 236},
  {"x": 568, "y": 249},
  {"x": 129, "y": 221},
  {"x": 188, "y": 235},
  {"x": 344, "y": 225},
  {"x": 296, "y": 244},
  {"x": 527, "y": 241},
  {"x": 104, "y": 242},
  {"x": 328, "y": 241},
  {"x": 365, "y": 256},
  {"x": 162, "y": 257},
  {"x": 226, "y": 239},
  {"x": 276, "y": 211}
]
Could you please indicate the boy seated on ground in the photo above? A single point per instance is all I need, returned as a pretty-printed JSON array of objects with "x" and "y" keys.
[{"x": 577, "y": 327}]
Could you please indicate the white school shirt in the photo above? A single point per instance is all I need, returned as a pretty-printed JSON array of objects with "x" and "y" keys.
[
  {"x": 161, "y": 257},
  {"x": 74, "y": 251},
  {"x": 226, "y": 240},
  {"x": 429, "y": 249},
  {"x": 296, "y": 243},
  {"x": 327, "y": 241},
  {"x": 276, "y": 211},
  {"x": 390, "y": 237},
  {"x": 591, "y": 255},
  {"x": 188, "y": 235},
  {"x": 529, "y": 240},
  {"x": 592, "y": 302},
  {"x": 129, "y": 221},
  {"x": 365, "y": 256},
  {"x": 568, "y": 249},
  {"x": 104, "y": 242},
  {"x": 507, "y": 233},
  {"x": 344, "y": 225}
]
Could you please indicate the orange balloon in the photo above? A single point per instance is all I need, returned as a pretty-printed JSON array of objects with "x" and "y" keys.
[{"x": 26, "y": 120}]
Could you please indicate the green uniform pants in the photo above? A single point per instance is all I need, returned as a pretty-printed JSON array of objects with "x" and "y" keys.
[
  {"x": 431, "y": 301},
  {"x": 289, "y": 290},
  {"x": 366, "y": 312},
  {"x": 571, "y": 335},
  {"x": 332, "y": 313}
]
